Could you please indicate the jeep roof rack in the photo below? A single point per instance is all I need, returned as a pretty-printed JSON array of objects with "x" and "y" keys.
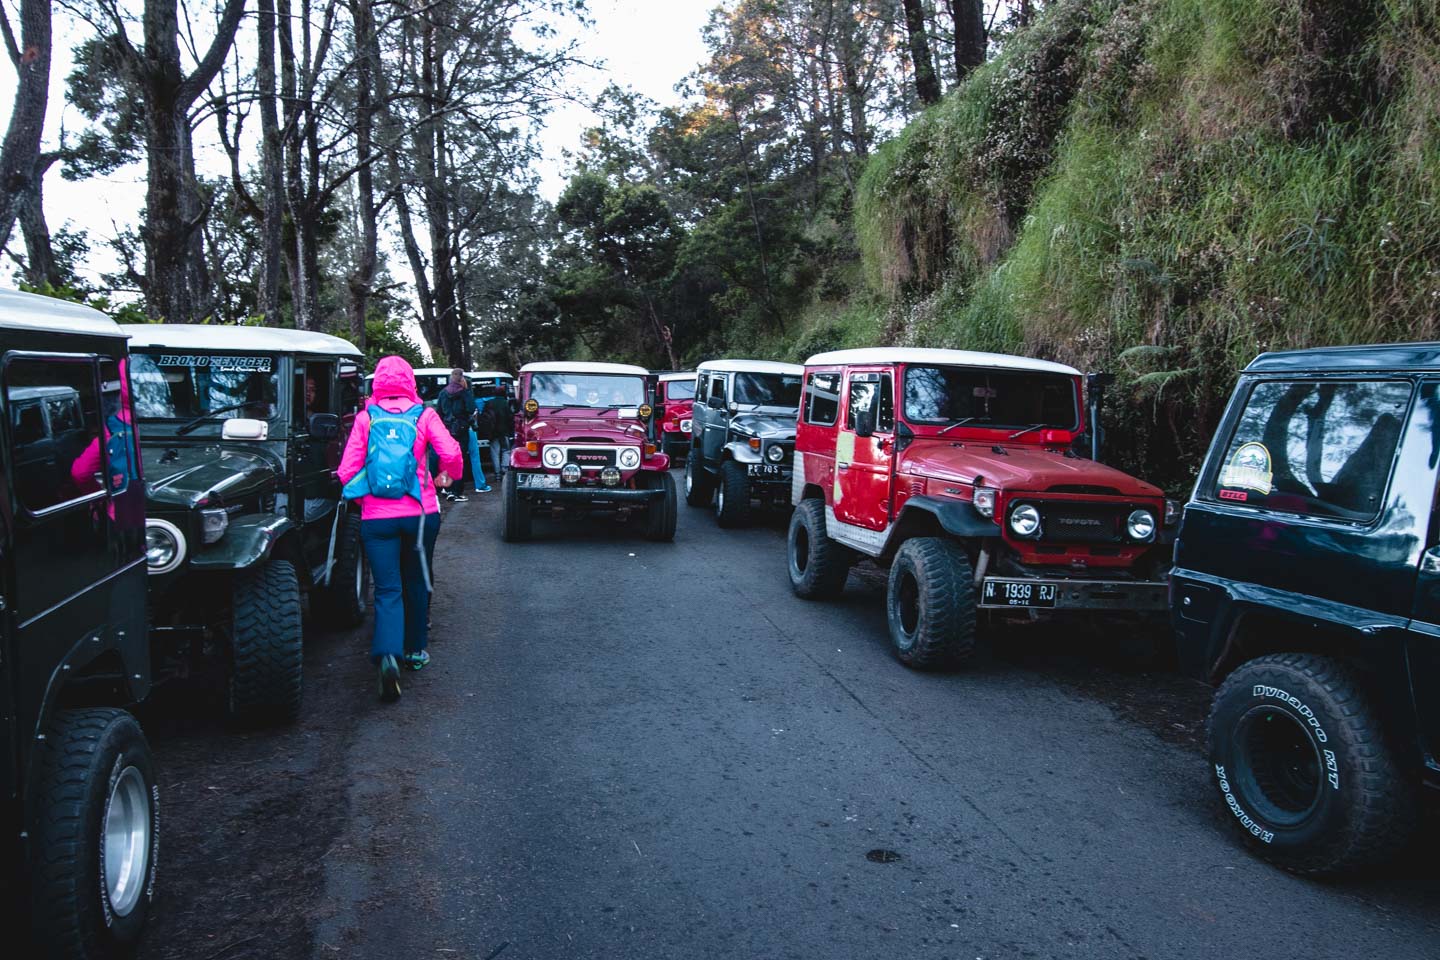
[
  {"x": 30, "y": 311},
  {"x": 582, "y": 366},
  {"x": 205, "y": 336},
  {"x": 749, "y": 366},
  {"x": 960, "y": 358}
]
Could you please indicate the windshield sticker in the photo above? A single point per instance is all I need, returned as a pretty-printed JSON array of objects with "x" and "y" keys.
[
  {"x": 222, "y": 364},
  {"x": 1249, "y": 469}
]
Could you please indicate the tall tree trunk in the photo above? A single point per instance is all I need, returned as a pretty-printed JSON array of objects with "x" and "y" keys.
[
  {"x": 40, "y": 268},
  {"x": 927, "y": 85},
  {"x": 20, "y": 151},
  {"x": 298, "y": 252},
  {"x": 970, "y": 40},
  {"x": 850, "y": 68},
  {"x": 367, "y": 71},
  {"x": 271, "y": 169},
  {"x": 428, "y": 327},
  {"x": 435, "y": 188}
]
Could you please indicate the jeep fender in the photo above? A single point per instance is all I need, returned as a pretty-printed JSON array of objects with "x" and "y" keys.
[
  {"x": 740, "y": 452},
  {"x": 957, "y": 518},
  {"x": 248, "y": 540}
]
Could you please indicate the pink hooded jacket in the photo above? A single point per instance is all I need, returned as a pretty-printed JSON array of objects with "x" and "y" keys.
[{"x": 394, "y": 390}]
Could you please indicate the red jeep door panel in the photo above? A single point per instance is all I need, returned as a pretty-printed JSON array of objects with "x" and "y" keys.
[{"x": 864, "y": 465}]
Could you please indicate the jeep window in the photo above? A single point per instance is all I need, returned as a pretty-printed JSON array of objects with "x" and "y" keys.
[
  {"x": 597, "y": 390},
  {"x": 680, "y": 390},
  {"x": 183, "y": 386},
  {"x": 54, "y": 430},
  {"x": 822, "y": 404},
  {"x": 429, "y": 385},
  {"x": 312, "y": 390},
  {"x": 768, "y": 389},
  {"x": 990, "y": 398},
  {"x": 716, "y": 396},
  {"x": 865, "y": 388},
  {"x": 1321, "y": 449}
]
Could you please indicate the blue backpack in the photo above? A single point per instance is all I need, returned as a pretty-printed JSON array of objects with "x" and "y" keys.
[
  {"x": 390, "y": 470},
  {"x": 121, "y": 469}
]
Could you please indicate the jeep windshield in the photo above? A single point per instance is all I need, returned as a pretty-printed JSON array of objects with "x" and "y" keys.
[
  {"x": 680, "y": 390},
  {"x": 597, "y": 391},
  {"x": 180, "y": 387},
  {"x": 768, "y": 390},
  {"x": 988, "y": 398}
]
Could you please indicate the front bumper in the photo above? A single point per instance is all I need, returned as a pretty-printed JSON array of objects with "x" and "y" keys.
[
  {"x": 589, "y": 496},
  {"x": 1040, "y": 593}
]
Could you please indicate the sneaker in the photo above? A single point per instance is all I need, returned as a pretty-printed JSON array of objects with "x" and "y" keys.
[
  {"x": 417, "y": 661},
  {"x": 459, "y": 498},
  {"x": 389, "y": 678},
  {"x": 483, "y": 489}
]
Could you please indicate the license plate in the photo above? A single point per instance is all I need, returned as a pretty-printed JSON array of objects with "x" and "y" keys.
[
  {"x": 684, "y": 426},
  {"x": 1019, "y": 593},
  {"x": 771, "y": 470},
  {"x": 538, "y": 481}
]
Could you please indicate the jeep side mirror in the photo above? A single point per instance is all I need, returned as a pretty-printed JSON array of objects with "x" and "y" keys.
[
  {"x": 324, "y": 426},
  {"x": 865, "y": 421}
]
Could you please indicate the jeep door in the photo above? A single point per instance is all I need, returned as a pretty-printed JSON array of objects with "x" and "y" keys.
[
  {"x": 864, "y": 466},
  {"x": 815, "y": 431},
  {"x": 716, "y": 418},
  {"x": 1423, "y": 648}
]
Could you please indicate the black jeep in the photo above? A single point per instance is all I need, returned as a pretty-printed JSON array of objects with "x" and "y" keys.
[
  {"x": 77, "y": 784},
  {"x": 1307, "y": 585},
  {"x": 743, "y": 436},
  {"x": 241, "y": 431}
]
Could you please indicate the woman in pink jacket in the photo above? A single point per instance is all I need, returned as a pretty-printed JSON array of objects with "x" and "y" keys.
[{"x": 399, "y": 534}]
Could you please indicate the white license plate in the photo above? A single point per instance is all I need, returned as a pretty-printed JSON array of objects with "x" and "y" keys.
[
  {"x": 1019, "y": 593},
  {"x": 538, "y": 481},
  {"x": 765, "y": 470},
  {"x": 684, "y": 426}
]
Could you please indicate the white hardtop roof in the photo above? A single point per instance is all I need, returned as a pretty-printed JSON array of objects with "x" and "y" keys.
[
  {"x": 579, "y": 366},
  {"x": 749, "y": 366},
  {"x": 30, "y": 311},
  {"x": 950, "y": 358},
  {"x": 433, "y": 371},
  {"x": 679, "y": 375},
  {"x": 491, "y": 375},
  {"x": 207, "y": 336}
]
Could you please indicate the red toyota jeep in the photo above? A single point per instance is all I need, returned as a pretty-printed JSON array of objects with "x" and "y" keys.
[
  {"x": 674, "y": 401},
  {"x": 581, "y": 447},
  {"x": 969, "y": 490}
]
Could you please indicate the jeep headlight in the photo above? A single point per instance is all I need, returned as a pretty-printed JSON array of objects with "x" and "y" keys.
[
  {"x": 775, "y": 454},
  {"x": 553, "y": 457},
  {"x": 629, "y": 458},
  {"x": 213, "y": 524},
  {"x": 610, "y": 477},
  {"x": 164, "y": 546},
  {"x": 1025, "y": 520},
  {"x": 1140, "y": 525},
  {"x": 570, "y": 473},
  {"x": 984, "y": 501}
]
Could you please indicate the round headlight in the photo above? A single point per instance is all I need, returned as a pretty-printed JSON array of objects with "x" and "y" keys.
[
  {"x": 570, "y": 473},
  {"x": 532, "y": 407},
  {"x": 629, "y": 458},
  {"x": 164, "y": 546},
  {"x": 775, "y": 454},
  {"x": 610, "y": 477},
  {"x": 553, "y": 457},
  {"x": 1025, "y": 521},
  {"x": 644, "y": 411},
  {"x": 1140, "y": 525}
]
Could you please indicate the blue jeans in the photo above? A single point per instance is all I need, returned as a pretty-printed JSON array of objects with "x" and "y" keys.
[
  {"x": 400, "y": 572},
  {"x": 497, "y": 456},
  {"x": 477, "y": 470}
]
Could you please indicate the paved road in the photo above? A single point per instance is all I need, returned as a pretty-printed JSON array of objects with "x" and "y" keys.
[{"x": 636, "y": 750}]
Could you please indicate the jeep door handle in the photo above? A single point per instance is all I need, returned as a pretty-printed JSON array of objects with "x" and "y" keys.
[{"x": 843, "y": 466}]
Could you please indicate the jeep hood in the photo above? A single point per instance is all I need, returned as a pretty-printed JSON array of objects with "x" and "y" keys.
[
  {"x": 1021, "y": 469},
  {"x": 768, "y": 426},
  {"x": 186, "y": 475},
  {"x": 552, "y": 429}
]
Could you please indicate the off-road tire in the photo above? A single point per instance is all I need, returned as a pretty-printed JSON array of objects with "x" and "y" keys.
[
  {"x": 662, "y": 514},
  {"x": 514, "y": 512},
  {"x": 85, "y": 755},
  {"x": 344, "y": 597},
  {"x": 698, "y": 483},
  {"x": 930, "y": 604},
  {"x": 818, "y": 565},
  {"x": 1363, "y": 807},
  {"x": 267, "y": 645},
  {"x": 732, "y": 496}
]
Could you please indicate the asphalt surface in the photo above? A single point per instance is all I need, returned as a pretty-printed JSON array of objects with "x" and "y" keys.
[{"x": 633, "y": 750}]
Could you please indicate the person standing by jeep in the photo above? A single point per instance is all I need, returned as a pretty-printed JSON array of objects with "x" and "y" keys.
[
  {"x": 399, "y": 512},
  {"x": 456, "y": 408}
]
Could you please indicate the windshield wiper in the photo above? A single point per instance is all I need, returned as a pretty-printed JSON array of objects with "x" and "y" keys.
[
  {"x": 1021, "y": 433},
  {"x": 189, "y": 425},
  {"x": 957, "y": 423}
]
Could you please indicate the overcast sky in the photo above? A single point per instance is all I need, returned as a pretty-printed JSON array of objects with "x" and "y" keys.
[{"x": 648, "y": 45}]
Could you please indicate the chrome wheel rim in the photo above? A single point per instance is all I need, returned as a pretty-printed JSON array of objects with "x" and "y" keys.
[
  {"x": 689, "y": 481},
  {"x": 126, "y": 841},
  {"x": 720, "y": 500}
]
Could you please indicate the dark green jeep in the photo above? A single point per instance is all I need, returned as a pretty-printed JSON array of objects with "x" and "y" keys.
[{"x": 241, "y": 430}]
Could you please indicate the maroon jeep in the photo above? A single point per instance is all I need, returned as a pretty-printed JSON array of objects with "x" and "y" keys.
[
  {"x": 582, "y": 447},
  {"x": 969, "y": 490}
]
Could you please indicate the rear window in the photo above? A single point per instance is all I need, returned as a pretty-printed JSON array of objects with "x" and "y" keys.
[
  {"x": 680, "y": 390},
  {"x": 822, "y": 399},
  {"x": 1321, "y": 449}
]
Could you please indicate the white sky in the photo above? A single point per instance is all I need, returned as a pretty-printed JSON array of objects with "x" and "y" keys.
[{"x": 647, "y": 45}]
